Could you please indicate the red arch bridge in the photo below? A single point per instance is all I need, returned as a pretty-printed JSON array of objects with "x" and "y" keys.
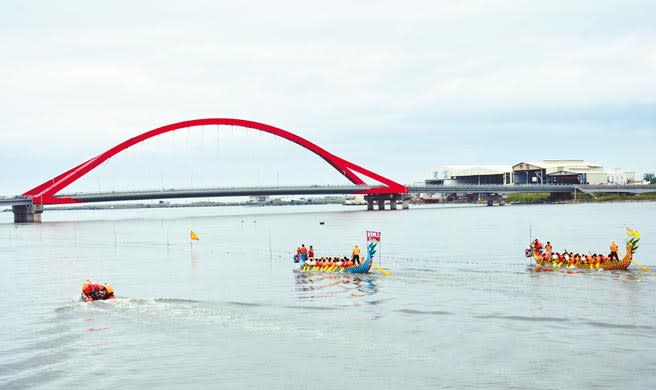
[{"x": 28, "y": 207}]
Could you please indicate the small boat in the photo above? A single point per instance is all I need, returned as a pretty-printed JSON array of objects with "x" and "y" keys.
[
  {"x": 96, "y": 291},
  {"x": 632, "y": 239},
  {"x": 95, "y": 297}
]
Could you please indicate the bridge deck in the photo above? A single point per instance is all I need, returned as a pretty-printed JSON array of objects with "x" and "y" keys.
[
  {"x": 332, "y": 190},
  {"x": 8, "y": 202},
  {"x": 347, "y": 189},
  {"x": 218, "y": 192}
]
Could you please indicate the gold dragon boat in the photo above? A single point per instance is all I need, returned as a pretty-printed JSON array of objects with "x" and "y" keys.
[{"x": 632, "y": 238}]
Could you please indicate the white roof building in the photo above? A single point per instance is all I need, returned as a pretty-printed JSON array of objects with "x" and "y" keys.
[
  {"x": 538, "y": 172},
  {"x": 579, "y": 166},
  {"x": 562, "y": 171},
  {"x": 477, "y": 174}
]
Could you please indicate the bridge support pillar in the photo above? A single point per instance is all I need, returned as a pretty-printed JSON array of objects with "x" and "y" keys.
[
  {"x": 30, "y": 213},
  {"x": 380, "y": 199},
  {"x": 395, "y": 199},
  {"x": 491, "y": 198}
]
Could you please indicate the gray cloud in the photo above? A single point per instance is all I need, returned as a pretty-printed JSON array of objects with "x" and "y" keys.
[{"x": 429, "y": 82}]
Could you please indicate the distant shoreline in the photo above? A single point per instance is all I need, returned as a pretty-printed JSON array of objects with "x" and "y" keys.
[
  {"x": 166, "y": 205},
  {"x": 515, "y": 199},
  {"x": 546, "y": 198},
  {"x": 581, "y": 202}
]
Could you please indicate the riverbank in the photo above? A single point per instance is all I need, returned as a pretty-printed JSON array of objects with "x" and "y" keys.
[
  {"x": 546, "y": 198},
  {"x": 208, "y": 203},
  {"x": 516, "y": 199}
]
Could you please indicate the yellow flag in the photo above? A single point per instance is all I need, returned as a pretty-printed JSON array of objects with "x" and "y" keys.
[
  {"x": 633, "y": 233},
  {"x": 193, "y": 235}
]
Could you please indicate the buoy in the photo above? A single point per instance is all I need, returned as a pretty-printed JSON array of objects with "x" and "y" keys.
[{"x": 322, "y": 223}]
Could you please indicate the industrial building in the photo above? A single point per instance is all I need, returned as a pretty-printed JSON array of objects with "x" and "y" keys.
[
  {"x": 541, "y": 172},
  {"x": 559, "y": 172},
  {"x": 471, "y": 174}
]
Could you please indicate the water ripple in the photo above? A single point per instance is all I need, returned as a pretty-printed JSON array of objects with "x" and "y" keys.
[
  {"x": 596, "y": 324},
  {"x": 608, "y": 325},
  {"x": 430, "y": 312},
  {"x": 524, "y": 318}
]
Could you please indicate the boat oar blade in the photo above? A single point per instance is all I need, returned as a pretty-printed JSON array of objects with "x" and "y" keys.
[
  {"x": 382, "y": 271},
  {"x": 642, "y": 267}
]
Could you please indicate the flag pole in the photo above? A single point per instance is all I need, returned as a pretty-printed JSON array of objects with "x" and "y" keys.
[{"x": 380, "y": 252}]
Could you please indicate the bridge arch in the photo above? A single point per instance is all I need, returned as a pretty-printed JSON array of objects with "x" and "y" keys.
[{"x": 45, "y": 193}]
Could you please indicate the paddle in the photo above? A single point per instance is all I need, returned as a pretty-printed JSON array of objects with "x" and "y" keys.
[
  {"x": 642, "y": 267},
  {"x": 382, "y": 271}
]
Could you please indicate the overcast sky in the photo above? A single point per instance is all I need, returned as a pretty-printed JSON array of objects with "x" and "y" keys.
[{"x": 398, "y": 87}]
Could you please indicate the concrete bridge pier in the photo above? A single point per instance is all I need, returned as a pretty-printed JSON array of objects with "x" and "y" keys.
[
  {"x": 29, "y": 213},
  {"x": 398, "y": 198},
  {"x": 380, "y": 199},
  {"x": 491, "y": 198}
]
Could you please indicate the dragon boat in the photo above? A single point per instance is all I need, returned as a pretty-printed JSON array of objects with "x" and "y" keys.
[
  {"x": 362, "y": 268},
  {"x": 632, "y": 238}
]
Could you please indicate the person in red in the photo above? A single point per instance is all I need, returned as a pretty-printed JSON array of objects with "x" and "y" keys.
[
  {"x": 304, "y": 253},
  {"x": 311, "y": 252},
  {"x": 87, "y": 289},
  {"x": 537, "y": 245}
]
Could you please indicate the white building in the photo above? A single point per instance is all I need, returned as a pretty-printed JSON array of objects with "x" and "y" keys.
[
  {"x": 471, "y": 174},
  {"x": 621, "y": 177},
  {"x": 559, "y": 172},
  {"x": 539, "y": 172}
]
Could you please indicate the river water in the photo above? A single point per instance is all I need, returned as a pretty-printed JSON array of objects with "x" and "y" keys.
[{"x": 461, "y": 309}]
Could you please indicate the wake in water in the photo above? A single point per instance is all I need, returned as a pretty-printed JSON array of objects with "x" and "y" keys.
[{"x": 165, "y": 312}]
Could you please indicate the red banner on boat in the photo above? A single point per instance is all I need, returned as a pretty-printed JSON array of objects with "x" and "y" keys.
[{"x": 373, "y": 236}]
